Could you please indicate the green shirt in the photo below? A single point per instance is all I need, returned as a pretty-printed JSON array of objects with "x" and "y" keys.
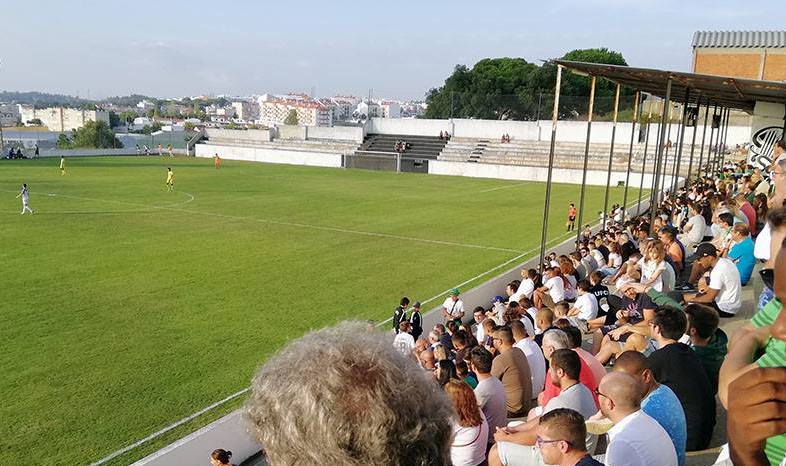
[
  {"x": 712, "y": 356},
  {"x": 774, "y": 356}
]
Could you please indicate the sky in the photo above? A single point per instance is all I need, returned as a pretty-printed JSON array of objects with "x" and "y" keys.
[{"x": 397, "y": 49}]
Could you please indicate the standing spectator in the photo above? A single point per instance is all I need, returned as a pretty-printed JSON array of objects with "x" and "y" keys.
[
  {"x": 741, "y": 252},
  {"x": 479, "y": 314},
  {"x": 659, "y": 401},
  {"x": 723, "y": 291},
  {"x": 562, "y": 437},
  {"x": 415, "y": 433},
  {"x": 511, "y": 367},
  {"x": 636, "y": 439},
  {"x": 707, "y": 340},
  {"x": 535, "y": 358},
  {"x": 220, "y": 457},
  {"x": 453, "y": 307},
  {"x": 404, "y": 342},
  {"x": 489, "y": 392},
  {"x": 416, "y": 320},
  {"x": 470, "y": 429},
  {"x": 400, "y": 313},
  {"x": 677, "y": 366}
]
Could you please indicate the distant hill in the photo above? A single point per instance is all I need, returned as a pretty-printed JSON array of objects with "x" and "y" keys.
[{"x": 43, "y": 99}]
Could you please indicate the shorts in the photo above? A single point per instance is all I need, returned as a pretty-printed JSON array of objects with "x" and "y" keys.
[{"x": 514, "y": 454}]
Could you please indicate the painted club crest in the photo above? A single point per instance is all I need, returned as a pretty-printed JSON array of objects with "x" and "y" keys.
[{"x": 762, "y": 143}]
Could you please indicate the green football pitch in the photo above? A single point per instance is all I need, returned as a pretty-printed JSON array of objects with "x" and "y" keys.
[{"x": 127, "y": 307}]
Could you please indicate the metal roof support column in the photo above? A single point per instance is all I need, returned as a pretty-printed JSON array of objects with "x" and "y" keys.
[
  {"x": 611, "y": 156},
  {"x": 703, "y": 138},
  {"x": 681, "y": 140},
  {"x": 654, "y": 178},
  {"x": 693, "y": 142},
  {"x": 725, "y": 135},
  {"x": 636, "y": 111},
  {"x": 712, "y": 135},
  {"x": 661, "y": 143},
  {"x": 586, "y": 158},
  {"x": 546, "y": 204},
  {"x": 665, "y": 166},
  {"x": 643, "y": 165}
]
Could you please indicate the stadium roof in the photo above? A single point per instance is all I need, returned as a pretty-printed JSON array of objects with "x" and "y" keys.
[
  {"x": 739, "y": 39},
  {"x": 735, "y": 93}
]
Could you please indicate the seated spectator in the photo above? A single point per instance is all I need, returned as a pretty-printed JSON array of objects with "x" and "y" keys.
[
  {"x": 489, "y": 392},
  {"x": 461, "y": 347},
  {"x": 464, "y": 374},
  {"x": 747, "y": 210},
  {"x": 707, "y": 340},
  {"x": 427, "y": 361},
  {"x": 404, "y": 342},
  {"x": 220, "y": 457},
  {"x": 552, "y": 341},
  {"x": 446, "y": 371},
  {"x": 511, "y": 367},
  {"x": 693, "y": 231},
  {"x": 674, "y": 250},
  {"x": 658, "y": 401},
  {"x": 562, "y": 436},
  {"x": 677, "y": 366},
  {"x": 441, "y": 353},
  {"x": 406, "y": 432},
  {"x": 544, "y": 321},
  {"x": 653, "y": 266},
  {"x": 470, "y": 429},
  {"x": 741, "y": 252},
  {"x": 535, "y": 358},
  {"x": 626, "y": 246},
  {"x": 574, "y": 339},
  {"x": 636, "y": 439},
  {"x": 445, "y": 338},
  {"x": 514, "y": 444},
  {"x": 630, "y": 331},
  {"x": 586, "y": 305},
  {"x": 723, "y": 289},
  {"x": 529, "y": 280}
]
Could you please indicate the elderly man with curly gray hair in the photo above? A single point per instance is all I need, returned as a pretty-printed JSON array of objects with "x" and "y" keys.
[{"x": 342, "y": 396}]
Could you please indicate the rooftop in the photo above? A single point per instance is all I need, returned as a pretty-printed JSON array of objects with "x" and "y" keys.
[{"x": 739, "y": 39}]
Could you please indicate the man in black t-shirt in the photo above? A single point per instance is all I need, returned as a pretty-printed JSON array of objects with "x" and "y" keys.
[
  {"x": 400, "y": 313},
  {"x": 677, "y": 366}
]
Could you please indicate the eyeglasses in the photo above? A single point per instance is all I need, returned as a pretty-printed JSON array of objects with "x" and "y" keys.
[
  {"x": 539, "y": 442},
  {"x": 598, "y": 393}
]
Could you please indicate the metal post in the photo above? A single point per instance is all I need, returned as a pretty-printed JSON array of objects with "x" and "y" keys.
[
  {"x": 710, "y": 145},
  {"x": 655, "y": 172},
  {"x": 664, "y": 118},
  {"x": 693, "y": 141},
  {"x": 675, "y": 179},
  {"x": 544, "y": 230},
  {"x": 725, "y": 135},
  {"x": 630, "y": 151},
  {"x": 611, "y": 156},
  {"x": 643, "y": 164},
  {"x": 703, "y": 138},
  {"x": 586, "y": 158},
  {"x": 398, "y": 162}
]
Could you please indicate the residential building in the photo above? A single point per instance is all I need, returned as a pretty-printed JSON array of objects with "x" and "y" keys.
[
  {"x": 309, "y": 112},
  {"x": 61, "y": 118},
  {"x": 9, "y": 115},
  {"x": 741, "y": 54},
  {"x": 389, "y": 109},
  {"x": 344, "y": 107},
  {"x": 246, "y": 111}
]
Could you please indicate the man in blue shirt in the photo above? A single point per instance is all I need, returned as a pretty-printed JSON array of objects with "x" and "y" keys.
[
  {"x": 742, "y": 251},
  {"x": 659, "y": 401}
]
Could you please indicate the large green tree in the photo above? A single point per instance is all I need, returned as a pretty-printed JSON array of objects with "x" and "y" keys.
[
  {"x": 291, "y": 118},
  {"x": 95, "y": 135},
  {"x": 512, "y": 88}
]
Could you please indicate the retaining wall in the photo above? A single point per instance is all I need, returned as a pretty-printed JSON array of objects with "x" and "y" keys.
[
  {"x": 264, "y": 154},
  {"x": 247, "y": 135}
]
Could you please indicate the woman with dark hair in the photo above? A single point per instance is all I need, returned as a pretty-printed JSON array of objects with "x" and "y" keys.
[
  {"x": 445, "y": 372},
  {"x": 220, "y": 457},
  {"x": 470, "y": 429}
]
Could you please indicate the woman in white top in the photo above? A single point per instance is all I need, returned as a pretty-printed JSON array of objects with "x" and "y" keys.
[
  {"x": 693, "y": 231},
  {"x": 470, "y": 429},
  {"x": 654, "y": 265},
  {"x": 615, "y": 260}
]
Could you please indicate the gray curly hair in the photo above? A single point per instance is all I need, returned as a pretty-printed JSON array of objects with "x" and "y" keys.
[{"x": 343, "y": 396}]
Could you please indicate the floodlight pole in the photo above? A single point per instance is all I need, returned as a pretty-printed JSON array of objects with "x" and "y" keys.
[
  {"x": 665, "y": 165},
  {"x": 643, "y": 164},
  {"x": 703, "y": 138},
  {"x": 586, "y": 158},
  {"x": 675, "y": 180},
  {"x": 693, "y": 141},
  {"x": 611, "y": 156},
  {"x": 630, "y": 151},
  {"x": 554, "y": 118},
  {"x": 661, "y": 143}
]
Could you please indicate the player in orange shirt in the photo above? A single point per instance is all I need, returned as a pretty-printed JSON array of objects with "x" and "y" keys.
[
  {"x": 571, "y": 218},
  {"x": 217, "y": 161}
]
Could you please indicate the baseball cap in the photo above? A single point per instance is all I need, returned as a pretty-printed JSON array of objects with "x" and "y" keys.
[
  {"x": 498, "y": 299},
  {"x": 706, "y": 249},
  {"x": 454, "y": 292},
  {"x": 417, "y": 304}
]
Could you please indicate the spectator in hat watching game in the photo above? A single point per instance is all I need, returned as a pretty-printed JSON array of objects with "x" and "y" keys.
[{"x": 453, "y": 307}]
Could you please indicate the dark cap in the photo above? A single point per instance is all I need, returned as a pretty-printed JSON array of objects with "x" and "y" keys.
[
  {"x": 706, "y": 249},
  {"x": 416, "y": 305}
]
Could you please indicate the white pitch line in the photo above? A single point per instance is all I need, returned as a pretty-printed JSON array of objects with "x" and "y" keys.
[
  {"x": 502, "y": 187},
  {"x": 295, "y": 224}
]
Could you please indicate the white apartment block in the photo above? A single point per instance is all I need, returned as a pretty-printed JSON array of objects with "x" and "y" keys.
[
  {"x": 63, "y": 119},
  {"x": 9, "y": 115},
  {"x": 343, "y": 107},
  {"x": 246, "y": 111},
  {"x": 309, "y": 112}
]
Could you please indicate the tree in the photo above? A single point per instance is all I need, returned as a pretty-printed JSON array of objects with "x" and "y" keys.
[
  {"x": 95, "y": 134},
  {"x": 63, "y": 142},
  {"x": 114, "y": 119},
  {"x": 291, "y": 118},
  {"x": 128, "y": 116}
]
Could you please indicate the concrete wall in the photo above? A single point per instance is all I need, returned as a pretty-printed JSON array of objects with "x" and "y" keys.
[
  {"x": 336, "y": 133},
  {"x": 269, "y": 155},
  {"x": 291, "y": 132},
  {"x": 523, "y": 173},
  {"x": 567, "y": 131},
  {"x": 248, "y": 135},
  {"x": 766, "y": 129}
]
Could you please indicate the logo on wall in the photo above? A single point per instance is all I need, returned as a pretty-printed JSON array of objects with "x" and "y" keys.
[{"x": 762, "y": 144}]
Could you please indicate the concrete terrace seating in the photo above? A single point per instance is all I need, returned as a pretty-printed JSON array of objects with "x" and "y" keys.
[
  {"x": 309, "y": 145},
  {"x": 536, "y": 153},
  {"x": 424, "y": 147}
]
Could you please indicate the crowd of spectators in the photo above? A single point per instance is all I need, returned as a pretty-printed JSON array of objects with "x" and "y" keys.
[{"x": 620, "y": 338}]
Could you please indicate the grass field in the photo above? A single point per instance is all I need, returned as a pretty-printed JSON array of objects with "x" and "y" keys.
[{"x": 126, "y": 307}]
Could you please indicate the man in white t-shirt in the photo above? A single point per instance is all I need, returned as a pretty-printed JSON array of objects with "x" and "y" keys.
[
  {"x": 404, "y": 341},
  {"x": 586, "y": 305},
  {"x": 552, "y": 291},
  {"x": 537, "y": 363},
  {"x": 453, "y": 307},
  {"x": 724, "y": 290}
]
